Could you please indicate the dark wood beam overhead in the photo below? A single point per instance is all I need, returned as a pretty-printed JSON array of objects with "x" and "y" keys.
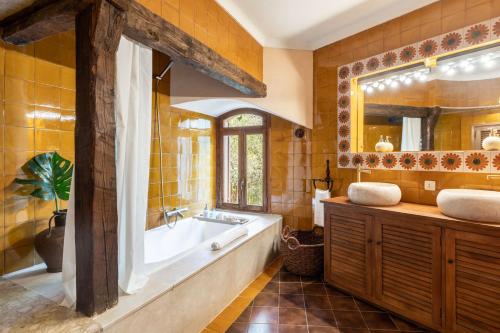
[
  {"x": 428, "y": 126},
  {"x": 40, "y": 20},
  {"x": 98, "y": 31},
  {"x": 151, "y": 30},
  {"x": 391, "y": 110}
]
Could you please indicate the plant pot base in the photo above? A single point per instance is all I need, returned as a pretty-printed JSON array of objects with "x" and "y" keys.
[{"x": 50, "y": 242}]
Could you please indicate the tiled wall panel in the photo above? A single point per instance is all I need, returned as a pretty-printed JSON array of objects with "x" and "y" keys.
[
  {"x": 212, "y": 25},
  {"x": 438, "y": 18}
]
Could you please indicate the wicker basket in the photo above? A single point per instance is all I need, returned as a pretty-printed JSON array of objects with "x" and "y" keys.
[{"x": 303, "y": 251}]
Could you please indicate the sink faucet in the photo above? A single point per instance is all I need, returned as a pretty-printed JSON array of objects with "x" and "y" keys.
[{"x": 359, "y": 171}]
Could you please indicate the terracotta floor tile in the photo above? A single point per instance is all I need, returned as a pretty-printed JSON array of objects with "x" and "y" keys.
[
  {"x": 292, "y": 329},
  {"x": 271, "y": 287},
  {"x": 343, "y": 303},
  {"x": 291, "y": 301},
  {"x": 317, "y": 317},
  {"x": 266, "y": 299},
  {"x": 317, "y": 302},
  {"x": 291, "y": 288},
  {"x": 378, "y": 321},
  {"x": 292, "y": 316},
  {"x": 323, "y": 329},
  {"x": 349, "y": 319},
  {"x": 313, "y": 279},
  {"x": 289, "y": 277},
  {"x": 406, "y": 326},
  {"x": 334, "y": 292},
  {"x": 264, "y": 315},
  {"x": 314, "y": 289},
  {"x": 363, "y": 306},
  {"x": 262, "y": 328},
  {"x": 238, "y": 328}
]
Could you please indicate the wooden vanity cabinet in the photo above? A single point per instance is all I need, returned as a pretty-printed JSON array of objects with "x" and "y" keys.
[
  {"x": 472, "y": 282},
  {"x": 437, "y": 271}
]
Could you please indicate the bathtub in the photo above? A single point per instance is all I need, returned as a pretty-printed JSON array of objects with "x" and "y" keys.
[
  {"x": 189, "y": 284},
  {"x": 166, "y": 244}
]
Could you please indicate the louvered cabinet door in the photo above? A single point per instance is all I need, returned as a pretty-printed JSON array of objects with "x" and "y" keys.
[
  {"x": 472, "y": 282},
  {"x": 408, "y": 275},
  {"x": 348, "y": 257}
]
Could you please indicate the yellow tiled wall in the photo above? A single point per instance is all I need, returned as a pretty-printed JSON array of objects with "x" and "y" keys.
[
  {"x": 437, "y": 18},
  {"x": 188, "y": 147},
  {"x": 212, "y": 25},
  {"x": 290, "y": 166},
  {"x": 37, "y": 89}
]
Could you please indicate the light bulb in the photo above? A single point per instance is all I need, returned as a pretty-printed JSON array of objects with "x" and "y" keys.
[
  {"x": 394, "y": 84},
  {"x": 423, "y": 78},
  {"x": 363, "y": 87},
  {"x": 417, "y": 75},
  {"x": 375, "y": 84},
  {"x": 402, "y": 78},
  {"x": 369, "y": 89},
  {"x": 408, "y": 81},
  {"x": 381, "y": 87},
  {"x": 388, "y": 81}
]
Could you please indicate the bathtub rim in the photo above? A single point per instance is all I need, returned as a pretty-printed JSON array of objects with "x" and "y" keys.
[{"x": 158, "y": 287}]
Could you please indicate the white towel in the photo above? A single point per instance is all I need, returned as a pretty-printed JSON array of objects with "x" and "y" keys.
[
  {"x": 228, "y": 237},
  {"x": 318, "y": 206}
]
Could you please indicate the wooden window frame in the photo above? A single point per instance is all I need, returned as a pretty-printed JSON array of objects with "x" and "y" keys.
[{"x": 242, "y": 132}]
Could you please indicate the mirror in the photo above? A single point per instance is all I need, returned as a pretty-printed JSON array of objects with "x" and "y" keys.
[{"x": 449, "y": 103}]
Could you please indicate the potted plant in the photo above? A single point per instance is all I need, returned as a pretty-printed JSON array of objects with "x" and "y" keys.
[{"x": 49, "y": 178}]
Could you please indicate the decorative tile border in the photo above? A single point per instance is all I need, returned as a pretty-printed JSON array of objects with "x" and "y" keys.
[{"x": 447, "y": 161}]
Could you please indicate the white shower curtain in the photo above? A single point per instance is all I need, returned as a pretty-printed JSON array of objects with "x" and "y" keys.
[
  {"x": 133, "y": 102},
  {"x": 412, "y": 135}
]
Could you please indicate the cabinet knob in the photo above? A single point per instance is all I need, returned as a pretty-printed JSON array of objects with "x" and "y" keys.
[{"x": 450, "y": 261}]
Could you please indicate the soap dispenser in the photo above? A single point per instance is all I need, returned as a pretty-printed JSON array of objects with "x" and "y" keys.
[
  {"x": 380, "y": 146},
  {"x": 388, "y": 145},
  {"x": 492, "y": 142}
]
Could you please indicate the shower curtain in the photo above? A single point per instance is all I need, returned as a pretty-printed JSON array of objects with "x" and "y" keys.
[
  {"x": 133, "y": 104},
  {"x": 412, "y": 135}
]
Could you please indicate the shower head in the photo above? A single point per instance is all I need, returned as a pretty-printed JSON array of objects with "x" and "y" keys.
[{"x": 165, "y": 71}]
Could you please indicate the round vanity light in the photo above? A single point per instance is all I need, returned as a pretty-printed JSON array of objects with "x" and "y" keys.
[
  {"x": 369, "y": 89},
  {"x": 375, "y": 84},
  {"x": 408, "y": 81},
  {"x": 388, "y": 81},
  {"x": 394, "y": 84},
  {"x": 363, "y": 87},
  {"x": 381, "y": 87}
]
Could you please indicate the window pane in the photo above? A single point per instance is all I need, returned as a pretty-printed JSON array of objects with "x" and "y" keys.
[
  {"x": 230, "y": 169},
  {"x": 243, "y": 120},
  {"x": 255, "y": 169}
]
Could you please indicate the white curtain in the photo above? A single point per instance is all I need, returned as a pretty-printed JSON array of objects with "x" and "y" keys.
[
  {"x": 133, "y": 102},
  {"x": 133, "y": 99},
  {"x": 412, "y": 135}
]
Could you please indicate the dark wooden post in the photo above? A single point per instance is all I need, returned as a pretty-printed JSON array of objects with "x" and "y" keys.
[
  {"x": 98, "y": 31},
  {"x": 428, "y": 125}
]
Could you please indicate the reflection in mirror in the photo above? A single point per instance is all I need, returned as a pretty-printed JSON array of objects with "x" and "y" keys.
[{"x": 453, "y": 104}]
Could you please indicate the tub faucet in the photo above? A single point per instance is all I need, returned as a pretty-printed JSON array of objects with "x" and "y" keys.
[
  {"x": 359, "y": 171},
  {"x": 177, "y": 212}
]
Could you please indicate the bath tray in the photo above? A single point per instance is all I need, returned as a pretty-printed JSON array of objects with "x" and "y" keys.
[{"x": 233, "y": 219}]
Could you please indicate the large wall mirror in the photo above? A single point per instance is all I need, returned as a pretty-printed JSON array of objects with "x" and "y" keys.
[
  {"x": 430, "y": 106},
  {"x": 448, "y": 103}
]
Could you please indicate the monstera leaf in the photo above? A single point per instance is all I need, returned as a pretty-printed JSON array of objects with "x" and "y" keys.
[{"x": 50, "y": 177}]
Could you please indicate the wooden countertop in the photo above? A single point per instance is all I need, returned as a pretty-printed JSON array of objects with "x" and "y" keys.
[{"x": 406, "y": 208}]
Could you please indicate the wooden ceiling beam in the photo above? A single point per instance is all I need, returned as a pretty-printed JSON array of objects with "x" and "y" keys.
[
  {"x": 41, "y": 19},
  {"x": 151, "y": 30}
]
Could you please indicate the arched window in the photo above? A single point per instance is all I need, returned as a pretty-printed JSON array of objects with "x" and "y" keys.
[{"x": 242, "y": 160}]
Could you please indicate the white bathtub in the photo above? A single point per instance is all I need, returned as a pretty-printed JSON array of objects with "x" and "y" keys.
[
  {"x": 164, "y": 245},
  {"x": 186, "y": 276}
]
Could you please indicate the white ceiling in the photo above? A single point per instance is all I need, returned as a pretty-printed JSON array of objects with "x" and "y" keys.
[{"x": 311, "y": 24}]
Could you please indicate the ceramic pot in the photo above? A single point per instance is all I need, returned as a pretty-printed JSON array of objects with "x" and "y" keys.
[
  {"x": 49, "y": 243},
  {"x": 384, "y": 147},
  {"x": 491, "y": 143}
]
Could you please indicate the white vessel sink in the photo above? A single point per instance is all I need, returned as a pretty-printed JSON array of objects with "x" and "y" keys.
[
  {"x": 374, "y": 194},
  {"x": 474, "y": 205}
]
